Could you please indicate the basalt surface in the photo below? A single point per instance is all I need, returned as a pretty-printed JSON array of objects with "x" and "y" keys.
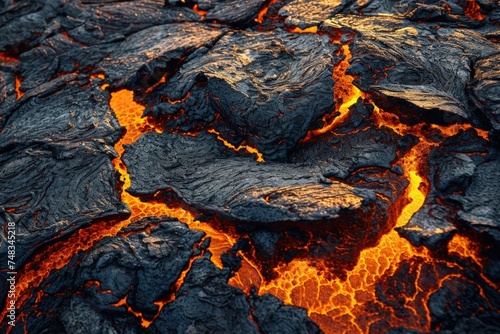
[{"x": 278, "y": 166}]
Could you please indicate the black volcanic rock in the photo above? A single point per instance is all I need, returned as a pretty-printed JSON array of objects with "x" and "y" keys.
[
  {"x": 144, "y": 57},
  {"x": 236, "y": 187},
  {"x": 233, "y": 12},
  {"x": 108, "y": 287},
  {"x": 354, "y": 144},
  {"x": 485, "y": 87},
  {"x": 72, "y": 114},
  {"x": 480, "y": 204},
  {"x": 430, "y": 226},
  {"x": 87, "y": 24},
  {"x": 206, "y": 303},
  {"x": 274, "y": 317},
  {"x": 263, "y": 88},
  {"x": 464, "y": 174},
  {"x": 422, "y": 79},
  {"x": 306, "y": 13},
  {"x": 49, "y": 191},
  {"x": 458, "y": 303}
]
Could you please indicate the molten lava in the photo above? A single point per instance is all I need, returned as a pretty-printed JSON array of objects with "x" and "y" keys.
[
  {"x": 472, "y": 11},
  {"x": 249, "y": 149},
  {"x": 345, "y": 95},
  {"x": 340, "y": 306}
]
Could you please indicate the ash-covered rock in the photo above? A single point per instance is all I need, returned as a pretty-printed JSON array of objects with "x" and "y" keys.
[{"x": 262, "y": 88}]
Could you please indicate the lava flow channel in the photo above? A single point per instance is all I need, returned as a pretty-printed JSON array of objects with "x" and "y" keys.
[
  {"x": 339, "y": 306},
  {"x": 58, "y": 255}
]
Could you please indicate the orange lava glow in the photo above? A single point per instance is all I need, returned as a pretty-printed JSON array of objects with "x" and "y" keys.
[
  {"x": 463, "y": 247},
  {"x": 249, "y": 149},
  {"x": 310, "y": 30},
  {"x": 263, "y": 11},
  {"x": 58, "y": 255},
  {"x": 345, "y": 95},
  {"x": 199, "y": 11},
  {"x": 472, "y": 11},
  {"x": 8, "y": 59},
  {"x": 337, "y": 305},
  {"x": 19, "y": 93}
]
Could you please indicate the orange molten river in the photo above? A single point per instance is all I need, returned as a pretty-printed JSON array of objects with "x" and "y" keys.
[{"x": 336, "y": 305}]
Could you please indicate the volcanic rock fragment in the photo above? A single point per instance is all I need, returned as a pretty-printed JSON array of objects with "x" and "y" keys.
[
  {"x": 234, "y": 12},
  {"x": 464, "y": 174},
  {"x": 71, "y": 115},
  {"x": 109, "y": 287},
  {"x": 421, "y": 79},
  {"x": 353, "y": 145},
  {"x": 459, "y": 304},
  {"x": 144, "y": 57},
  {"x": 237, "y": 187},
  {"x": 87, "y": 24},
  {"x": 485, "y": 87},
  {"x": 307, "y": 13},
  {"x": 272, "y": 202},
  {"x": 49, "y": 191},
  {"x": 262, "y": 88}
]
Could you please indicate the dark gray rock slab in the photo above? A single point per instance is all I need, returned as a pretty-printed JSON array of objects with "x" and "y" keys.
[
  {"x": 51, "y": 191},
  {"x": 237, "y": 188},
  {"x": 144, "y": 57},
  {"x": 422, "y": 79},
  {"x": 73, "y": 114},
  {"x": 265, "y": 89},
  {"x": 485, "y": 92},
  {"x": 87, "y": 295},
  {"x": 274, "y": 317}
]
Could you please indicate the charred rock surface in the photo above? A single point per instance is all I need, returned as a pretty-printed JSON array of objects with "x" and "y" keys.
[
  {"x": 464, "y": 174},
  {"x": 305, "y": 13},
  {"x": 356, "y": 143},
  {"x": 262, "y": 88},
  {"x": 144, "y": 57},
  {"x": 70, "y": 116},
  {"x": 485, "y": 87},
  {"x": 237, "y": 188},
  {"x": 109, "y": 288},
  {"x": 85, "y": 23},
  {"x": 278, "y": 204},
  {"x": 55, "y": 165},
  {"x": 421, "y": 79}
]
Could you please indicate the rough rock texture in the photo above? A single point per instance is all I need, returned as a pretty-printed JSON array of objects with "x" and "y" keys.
[
  {"x": 69, "y": 116},
  {"x": 55, "y": 165},
  {"x": 464, "y": 179},
  {"x": 461, "y": 299},
  {"x": 274, "y": 202},
  {"x": 356, "y": 143},
  {"x": 144, "y": 57},
  {"x": 485, "y": 91},
  {"x": 306, "y": 13},
  {"x": 108, "y": 288},
  {"x": 87, "y": 24},
  {"x": 238, "y": 188},
  {"x": 262, "y": 88},
  {"x": 419, "y": 80}
]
